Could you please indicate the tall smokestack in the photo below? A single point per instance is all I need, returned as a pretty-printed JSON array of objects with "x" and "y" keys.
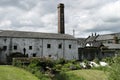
[{"x": 61, "y": 18}]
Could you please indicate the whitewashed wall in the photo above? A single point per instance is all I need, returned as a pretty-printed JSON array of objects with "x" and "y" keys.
[{"x": 39, "y": 47}]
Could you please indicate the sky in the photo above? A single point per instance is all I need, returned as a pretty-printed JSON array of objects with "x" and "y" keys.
[{"x": 83, "y": 16}]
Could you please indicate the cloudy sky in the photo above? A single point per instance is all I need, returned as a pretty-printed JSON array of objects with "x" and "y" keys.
[{"x": 84, "y": 16}]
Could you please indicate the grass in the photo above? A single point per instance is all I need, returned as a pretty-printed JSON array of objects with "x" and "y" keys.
[
  {"x": 14, "y": 73},
  {"x": 89, "y": 74}
]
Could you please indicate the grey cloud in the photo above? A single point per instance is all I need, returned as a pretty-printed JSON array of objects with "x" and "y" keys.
[
  {"x": 106, "y": 27},
  {"x": 113, "y": 19},
  {"x": 83, "y": 15},
  {"x": 22, "y": 4}
]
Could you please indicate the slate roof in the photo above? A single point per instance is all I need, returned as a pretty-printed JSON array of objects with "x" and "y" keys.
[
  {"x": 105, "y": 37},
  {"x": 81, "y": 40},
  {"x": 112, "y": 46},
  {"x": 23, "y": 34},
  {"x": 91, "y": 38}
]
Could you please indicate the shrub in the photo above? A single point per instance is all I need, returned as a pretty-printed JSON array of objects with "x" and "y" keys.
[
  {"x": 41, "y": 76},
  {"x": 109, "y": 60},
  {"x": 96, "y": 60},
  {"x": 115, "y": 70},
  {"x": 61, "y": 61},
  {"x": 17, "y": 63},
  {"x": 67, "y": 76},
  {"x": 86, "y": 61},
  {"x": 58, "y": 67}
]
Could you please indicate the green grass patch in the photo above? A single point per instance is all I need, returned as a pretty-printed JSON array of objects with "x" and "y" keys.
[
  {"x": 89, "y": 74},
  {"x": 14, "y": 73}
]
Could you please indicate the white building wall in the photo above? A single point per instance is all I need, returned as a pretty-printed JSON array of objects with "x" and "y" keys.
[
  {"x": 22, "y": 43},
  {"x": 3, "y": 53},
  {"x": 39, "y": 47},
  {"x": 54, "y": 51},
  {"x": 71, "y": 53}
]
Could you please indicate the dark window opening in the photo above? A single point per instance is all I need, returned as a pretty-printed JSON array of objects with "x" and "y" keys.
[
  {"x": 49, "y": 55},
  {"x": 70, "y": 46},
  {"x": 4, "y": 47},
  {"x": 15, "y": 47},
  {"x": 103, "y": 54},
  {"x": 34, "y": 55},
  {"x": 30, "y": 47},
  {"x": 48, "y": 46},
  {"x": 60, "y": 46}
]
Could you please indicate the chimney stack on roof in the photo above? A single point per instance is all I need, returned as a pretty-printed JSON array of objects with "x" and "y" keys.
[{"x": 61, "y": 28}]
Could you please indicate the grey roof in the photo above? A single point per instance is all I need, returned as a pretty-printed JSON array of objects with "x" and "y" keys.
[
  {"x": 105, "y": 37},
  {"x": 91, "y": 38},
  {"x": 23, "y": 34},
  {"x": 97, "y": 44},
  {"x": 81, "y": 40},
  {"x": 112, "y": 46}
]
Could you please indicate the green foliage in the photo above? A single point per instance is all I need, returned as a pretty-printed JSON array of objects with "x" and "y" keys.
[
  {"x": 101, "y": 68},
  {"x": 17, "y": 63},
  {"x": 41, "y": 67},
  {"x": 85, "y": 61},
  {"x": 78, "y": 66},
  {"x": 61, "y": 61},
  {"x": 109, "y": 60},
  {"x": 67, "y": 76},
  {"x": 96, "y": 60},
  {"x": 58, "y": 67},
  {"x": 41, "y": 76},
  {"x": 115, "y": 70}
]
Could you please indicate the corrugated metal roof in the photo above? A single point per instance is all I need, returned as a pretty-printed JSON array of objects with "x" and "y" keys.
[{"x": 23, "y": 34}]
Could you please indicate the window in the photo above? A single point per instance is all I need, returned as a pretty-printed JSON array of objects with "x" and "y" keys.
[
  {"x": 34, "y": 54},
  {"x": 48, "y": 46},
  {"x": 70, "y": 46},
  {"x": 15, "y": 47},
  {"x": 4, "y": 47},
  {"x": 60, "y": 46},
  {"x": 30, "y": 47}
]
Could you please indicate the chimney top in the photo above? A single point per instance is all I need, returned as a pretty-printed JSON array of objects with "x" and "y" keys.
[{"x": 60, "y": 5}]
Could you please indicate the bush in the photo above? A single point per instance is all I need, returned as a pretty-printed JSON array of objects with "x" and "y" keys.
[
  {"x": 61, "y": 61},
  {"x": 109, "y": 60},
  {"x": 67, "y": 76},
  {"x": 41, "y": 76},
  {"x": 96, "y": 60},
  {"x": 115, "y": 70},
  {"x": 58, "y": 67},
  {"x": 17, "y": 63}
]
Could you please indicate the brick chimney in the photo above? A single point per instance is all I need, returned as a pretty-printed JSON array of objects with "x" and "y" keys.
[{"x": 61, "y": 29}]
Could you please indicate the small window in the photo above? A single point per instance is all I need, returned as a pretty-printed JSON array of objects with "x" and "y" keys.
[
  {"x": 34, "y": 55},
  {"x": 30, "y": 47},
  {"x": 70, "y": 46},
  {"x": 103, "y": 54},
  {"x": 60, "y": 46},
  {"x": 15, "y": 47},
  {"x": 4, "y": 47},
  {"x": 48, "y": 46}
]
